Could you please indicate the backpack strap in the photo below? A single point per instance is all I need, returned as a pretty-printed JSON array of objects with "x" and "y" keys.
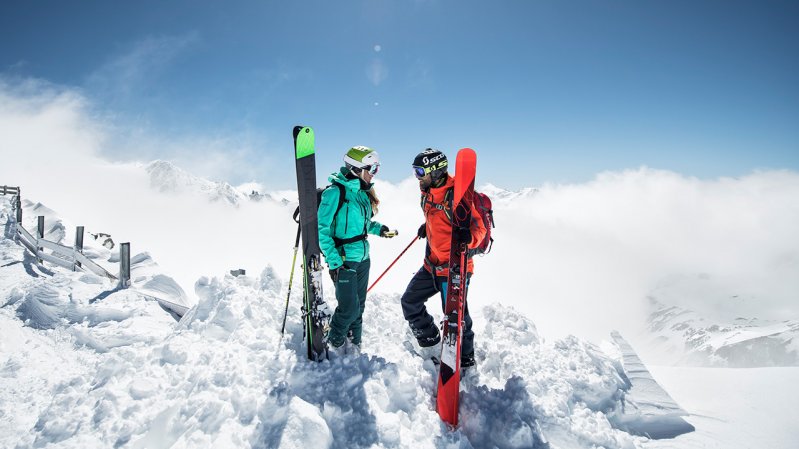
[
  {"x": 341, "y": 195},
  {"x": 341, "y": 242},
  {"x": 445, "y": 206},
  {"x": 341, "y": 201}
]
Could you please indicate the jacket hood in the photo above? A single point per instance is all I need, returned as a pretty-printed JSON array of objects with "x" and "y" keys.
[{"x": 354, "y": 184}]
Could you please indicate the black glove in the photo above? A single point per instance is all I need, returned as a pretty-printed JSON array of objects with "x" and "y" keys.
[
  {"x": 463, "y": 235},
  {"x": 422, "y": 232},
  {"x": 334, "y": 274},
  {"x": 387, "y": 233}
]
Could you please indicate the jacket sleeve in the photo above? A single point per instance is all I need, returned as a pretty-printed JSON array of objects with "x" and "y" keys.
[
  {"x": 477, "y": 227},
  {"x": 374, "y": 228},
  {"x": 325, "y": 216}
]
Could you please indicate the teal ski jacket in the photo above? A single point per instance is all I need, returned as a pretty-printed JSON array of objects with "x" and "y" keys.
[{"x": 353, "y": 219}]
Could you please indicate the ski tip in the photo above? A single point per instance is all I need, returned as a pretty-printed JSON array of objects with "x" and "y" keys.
[
  {"x": 303, "y": 141},
  {"x": 467, "y": 152},
  {"x": 298, "y": 129}
]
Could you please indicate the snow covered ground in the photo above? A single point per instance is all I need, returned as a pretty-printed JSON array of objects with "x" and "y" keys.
[
  {"x": 85, "y": 365},
  {"x": 733, "y": 407}
]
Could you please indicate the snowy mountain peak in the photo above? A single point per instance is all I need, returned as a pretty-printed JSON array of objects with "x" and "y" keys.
[
  {"x": 500, "y": 194},
  {"x": 168, "y": 178}
]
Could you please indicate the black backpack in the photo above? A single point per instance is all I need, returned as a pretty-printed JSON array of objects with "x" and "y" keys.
[{"x": 319, "y": 191}]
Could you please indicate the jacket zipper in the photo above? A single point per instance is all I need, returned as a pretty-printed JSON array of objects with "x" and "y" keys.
[
  {"x": 346, "y": 219},
  {"x": 365, "y": 219}
]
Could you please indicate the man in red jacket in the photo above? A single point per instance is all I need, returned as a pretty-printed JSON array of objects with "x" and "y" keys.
[{"x": 430, "y": 167}]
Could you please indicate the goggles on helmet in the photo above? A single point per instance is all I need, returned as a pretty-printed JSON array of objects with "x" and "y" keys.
[{"x": 420, "y": 172}]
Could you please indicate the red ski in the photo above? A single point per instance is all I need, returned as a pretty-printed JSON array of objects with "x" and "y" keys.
[{"x": 449, "y": 372}]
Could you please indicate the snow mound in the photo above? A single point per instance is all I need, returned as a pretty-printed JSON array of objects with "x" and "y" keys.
[
  {"x": 103, "y": 367},
  {"x": 223, "y": 376},
  {"x": 648, "y": 408}
]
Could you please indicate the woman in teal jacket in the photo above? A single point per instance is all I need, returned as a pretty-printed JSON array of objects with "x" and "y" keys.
[{"x": 343, "y": 229}]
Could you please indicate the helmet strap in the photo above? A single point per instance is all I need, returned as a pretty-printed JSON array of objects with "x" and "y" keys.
[{"x": 439, "y": 178}]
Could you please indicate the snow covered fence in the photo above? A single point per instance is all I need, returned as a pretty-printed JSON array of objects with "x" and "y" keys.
[
  {"x": 17, "y": 201},
  {"x": 63, "y": 256},
  {"x": 9, "y": 190}
]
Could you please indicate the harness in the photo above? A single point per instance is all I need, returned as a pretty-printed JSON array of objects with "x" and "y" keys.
[{"x": 446, "y": 207}]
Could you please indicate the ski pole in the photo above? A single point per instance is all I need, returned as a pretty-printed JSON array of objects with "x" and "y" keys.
[
  {"x": 392, "y": 263},
  {"x": 291, "y": 278}
]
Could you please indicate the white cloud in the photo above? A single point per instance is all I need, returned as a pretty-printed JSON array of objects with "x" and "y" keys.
[
  {"x": 53, "y": 149},
  {"x": 590, "y": 253},
  {"x": 576, "y": 258},
  {"x": 127, "y": 74}
]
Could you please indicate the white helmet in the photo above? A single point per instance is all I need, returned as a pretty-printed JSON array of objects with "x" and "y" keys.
[{"x": 361, "y": 157}]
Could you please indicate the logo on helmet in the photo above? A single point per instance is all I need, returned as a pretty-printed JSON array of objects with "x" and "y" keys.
[{"x": 427, "y": 161}]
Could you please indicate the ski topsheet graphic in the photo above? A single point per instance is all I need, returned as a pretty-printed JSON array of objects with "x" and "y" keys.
[
  {"x": 452, "y": 328},
  {"x": 314, "y": 309}
]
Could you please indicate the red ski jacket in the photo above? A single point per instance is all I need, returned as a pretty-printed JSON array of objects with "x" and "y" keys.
[{"x": 439, "y": 229}]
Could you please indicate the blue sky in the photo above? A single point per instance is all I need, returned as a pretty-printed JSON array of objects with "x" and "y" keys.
[{"x": 545, "y": 91}]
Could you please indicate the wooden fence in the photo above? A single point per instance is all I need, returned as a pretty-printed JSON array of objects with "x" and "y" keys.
[
  {"x": 73, "y": 258},
  {"x": 57, "y": 254}
]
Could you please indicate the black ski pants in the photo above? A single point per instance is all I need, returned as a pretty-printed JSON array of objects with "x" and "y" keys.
[{"x": 422, "y": 287}]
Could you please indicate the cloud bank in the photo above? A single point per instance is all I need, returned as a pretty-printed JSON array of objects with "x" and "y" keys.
[{"x": 576, "y": 258}]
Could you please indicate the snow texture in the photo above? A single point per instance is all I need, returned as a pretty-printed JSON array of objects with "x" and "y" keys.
[
  {"x": 85, "y": 364},
  {"x": 648, "y": 409}
]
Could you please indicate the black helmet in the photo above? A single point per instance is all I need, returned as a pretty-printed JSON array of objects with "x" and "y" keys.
[{"x": 430, "y": 161}]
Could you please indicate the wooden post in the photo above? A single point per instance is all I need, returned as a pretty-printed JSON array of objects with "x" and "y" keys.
[
  {"x": 124, "y": 265},
  {"x": 19, "y": 207},
  {"x": 78, "y": 244},
  {"x": 40, "y": 235},
  {"x": 4, "y": 190}
]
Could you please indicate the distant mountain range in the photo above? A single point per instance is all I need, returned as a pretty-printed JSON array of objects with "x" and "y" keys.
[
  {"x": 682, "y": 336},
  {"x": 168, "y": 178},
  {"x": 500, "y": 194}
]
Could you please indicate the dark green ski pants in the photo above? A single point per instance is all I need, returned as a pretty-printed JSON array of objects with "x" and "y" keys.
[{"x": 353, "y": 279}]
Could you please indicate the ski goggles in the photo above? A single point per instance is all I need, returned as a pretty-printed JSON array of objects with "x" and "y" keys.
[
  {"x": 420, "y": 172},
  {"x": 372, "y": 169}
]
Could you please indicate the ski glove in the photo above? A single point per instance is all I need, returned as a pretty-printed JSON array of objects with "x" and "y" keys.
[
  {"x": 463, "y": 235},
  {"x": 387, "y": 233},
  {"x": 334, "y": 274},
  {"x": 422, "y": 232}
]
